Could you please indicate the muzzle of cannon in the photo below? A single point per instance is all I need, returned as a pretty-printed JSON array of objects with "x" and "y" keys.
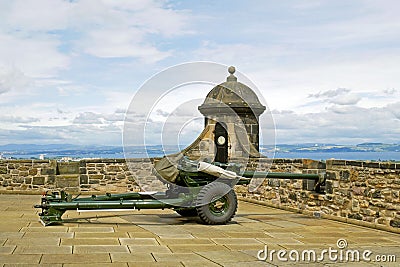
[{"x": 209, "y": 194}]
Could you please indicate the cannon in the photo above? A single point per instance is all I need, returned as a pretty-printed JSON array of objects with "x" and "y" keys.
[{"x": 206, "y": 191}]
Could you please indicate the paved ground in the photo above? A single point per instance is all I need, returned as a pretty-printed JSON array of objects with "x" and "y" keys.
[{"x": 163, "y": 238}]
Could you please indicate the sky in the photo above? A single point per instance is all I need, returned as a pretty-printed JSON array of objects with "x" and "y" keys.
[{"x": 329, "y": 71}]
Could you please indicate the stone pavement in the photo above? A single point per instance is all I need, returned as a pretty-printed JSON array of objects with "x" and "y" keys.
[{"x": 163, "y": 238}]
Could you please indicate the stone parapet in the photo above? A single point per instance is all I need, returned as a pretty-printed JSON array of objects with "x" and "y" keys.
[{"x": 355, "y": 191}]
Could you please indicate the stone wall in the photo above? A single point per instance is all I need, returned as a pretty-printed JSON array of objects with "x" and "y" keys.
[
  {"x": 295, "y": 194},
  {"x": 358, "y": 192},
  {"x": 364, "y": 193},
  {"x": 99, "y": 175}
]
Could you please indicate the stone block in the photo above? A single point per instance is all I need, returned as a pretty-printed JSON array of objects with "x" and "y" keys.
[
  {"x": 354, "y": 163},
  {"x": 95, "y": 181},
  {"x": 329, "y": 187},
  {"x": 331, "y": 175},
  {"x": 84, "y": 179},
  {"x": 38, "y": 180},
  {"x": 395, "y": 223},
  {"x": 344, "y": 175},
  {"x": 63, "y": 181},
  {"x": 358, "y": 191},
  {"x": 23, "y": 173},
  {"x": 96, "y": 176},
  {"x": 387, "y": 165},
  {"x": 3, "y": 170},
  {"x": 23, "y": 168},
  {"x": 68, "y": 168},
  {"x": 51, "y": 179},
  {"x": 337, "y": 162},
  {"x": 371, "y": 164},
  {"x": 113, "y": 168},
  {"x": 48, "y": 171},
  {"x": 33, "y": 171},
  {"x": 376, "y": 194},
  {"x": 356, "y": 216},
  {"x": 11, "y": 166},
  {"x": 308, "y": 185},
  {"x": 313, "y": 164}
]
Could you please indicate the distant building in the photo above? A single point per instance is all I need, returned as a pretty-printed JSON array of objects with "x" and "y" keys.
[
  {"x": 41, "y": 156},
  {"x": 66, "y": 159},
  {"x": 1, "y": 155}
]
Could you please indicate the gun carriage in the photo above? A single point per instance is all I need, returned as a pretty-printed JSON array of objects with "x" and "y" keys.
[{"x": 206, "y": 191}]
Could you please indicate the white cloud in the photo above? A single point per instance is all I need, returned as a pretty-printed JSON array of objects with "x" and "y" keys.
[
  {"x": 121, "y": 29},
  {"x": 395, "y": 109},
  {"x": 349, "y": 99},
  {"x": 390, "y": 91},
  {"x": 97, "y": 118},
  {"x": 12, "y": 79},
  {"x": 330, "y": 93},
  {"x": 110, "y": 43},
  {"x": 17, "y": 119},
  {"x": 34, "y": 56},
  {"x": 33, "y": 15},
  {"x": 88, "y": 118},
  {"x": 339, "y": 124}
]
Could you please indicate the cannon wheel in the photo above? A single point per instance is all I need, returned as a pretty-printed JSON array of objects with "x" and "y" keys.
[
  {"x": 216, "y": 203},
  {"x": 187, "y": 212}
]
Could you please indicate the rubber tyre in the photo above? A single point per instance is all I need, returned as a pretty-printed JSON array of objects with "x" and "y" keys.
[
  {"x": 216, "y": 203},
  {"x": 188, "y": 212}
]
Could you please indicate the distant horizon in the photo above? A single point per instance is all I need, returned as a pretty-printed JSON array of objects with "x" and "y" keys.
[{"x": 102, "y": 145}]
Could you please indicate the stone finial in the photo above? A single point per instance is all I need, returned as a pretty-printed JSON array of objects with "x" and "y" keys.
[{"x": 231, "y": 77}]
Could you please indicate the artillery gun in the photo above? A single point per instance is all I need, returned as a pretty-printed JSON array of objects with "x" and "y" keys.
[{"x": 207, "y": 193}]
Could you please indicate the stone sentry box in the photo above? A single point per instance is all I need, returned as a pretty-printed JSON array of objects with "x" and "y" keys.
[{"x": 231, "y": 113}]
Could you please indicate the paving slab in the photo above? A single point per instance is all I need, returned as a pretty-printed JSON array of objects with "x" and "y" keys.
[
  {"x": 32, "y": 265},
  {"x": 231, "y": 241},
  {"x": 196, "y": 264},
  {"x": 53, "y": 241},
  {"x": 196, "y": 248},
  {"x": 138, "y": 241},
  {"x": 100, "y": 235},
  {"x": 39, "y": 249},
  {"x": 150, "y": 249},
  {"x": 132, "y": 257},
  {"x": 26, "y": 259},
  {"x": 225, "y": 257},
  {"x": 90, "y": 249},
  {"x": 156, "y": 264},
  {"x": 7, "y": 249},
  {"x": 113, "y": 264},
  {"x": 186, "y": 241},
  {"x": 91, "y": 229},
  {"x": 76, "y": 258},
  {"x": 89, "y": 241},
  {"x": 163, "y": 238},
  {"x": 179, "y": 257}
]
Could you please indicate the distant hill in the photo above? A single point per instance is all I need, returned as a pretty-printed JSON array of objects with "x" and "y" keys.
[
  {"x": 364, "y": 147},
  {"x": 59, "y": 151}
]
